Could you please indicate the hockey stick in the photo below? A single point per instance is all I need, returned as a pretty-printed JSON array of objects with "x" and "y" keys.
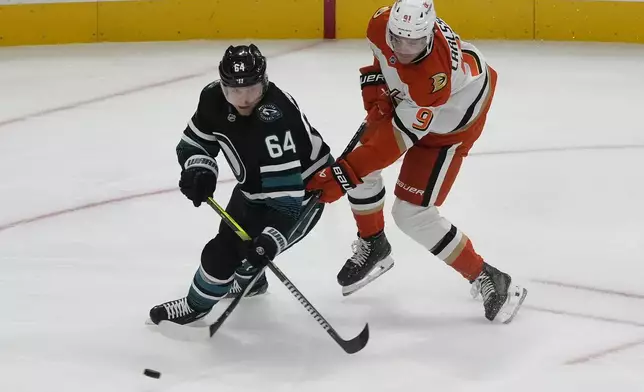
[
  {"x": 350, "y": 346},
  {"x": 355, "y": 139},
  {"x": 191, "y": 333}
]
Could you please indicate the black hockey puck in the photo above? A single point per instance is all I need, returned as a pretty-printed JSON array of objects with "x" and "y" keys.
[{"x": 152, "y": 373}]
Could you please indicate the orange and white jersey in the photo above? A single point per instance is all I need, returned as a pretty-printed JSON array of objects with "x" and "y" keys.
[{"x": 441, "y": 93}]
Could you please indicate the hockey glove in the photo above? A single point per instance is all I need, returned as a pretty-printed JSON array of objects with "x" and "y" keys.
[
  {"x": 199, "y": 178},
  {"x": 375, "y": 94},
  {"x": 334, "y": 181},
  {"x": 265, "y": 247}
]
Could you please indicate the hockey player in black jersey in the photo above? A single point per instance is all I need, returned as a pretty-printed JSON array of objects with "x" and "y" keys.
[{"x": 272, "y": 150}]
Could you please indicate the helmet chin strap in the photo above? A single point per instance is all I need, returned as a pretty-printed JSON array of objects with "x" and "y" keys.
[{"x": 425, "y": 52}]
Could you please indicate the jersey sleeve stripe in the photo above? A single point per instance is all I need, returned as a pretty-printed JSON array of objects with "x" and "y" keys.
[
  {"x": 470, "y": 110},
  {"x": 399, "y": 124},
  {"x": 202, "y": 135},
  {"x": 186, "y": 139},
  {"x": 478, "y": 61},
  {"x": 316, "y": 141},
  {"x": 316, "y": 166},
  {"x": 273, "y": 195},
  {"x": 280, "y": 167},
  {"x": 295, "y": 170}
]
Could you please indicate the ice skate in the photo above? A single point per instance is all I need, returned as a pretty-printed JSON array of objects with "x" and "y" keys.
[
  {"x": 371, "y": 258},
  {"x": 177, "y": 311},
  {"x": 501, "y": 299}
]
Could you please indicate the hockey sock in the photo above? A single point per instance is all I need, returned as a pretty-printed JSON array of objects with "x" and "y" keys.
[
  {"x": 370, "y": 224},
  {"x": 206, "y": 290},
  {"x": 468, "y": 263}
]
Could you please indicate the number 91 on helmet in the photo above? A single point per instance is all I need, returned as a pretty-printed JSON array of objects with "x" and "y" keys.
[{"x": 410, "y": 28}]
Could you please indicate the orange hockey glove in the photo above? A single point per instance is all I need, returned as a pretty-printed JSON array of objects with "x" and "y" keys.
[
  {"x": 375, "y": 94},
  {"x": 334, "y": 181}
]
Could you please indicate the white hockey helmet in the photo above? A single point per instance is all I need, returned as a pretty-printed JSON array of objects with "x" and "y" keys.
[{"x": 410, "y": 27}]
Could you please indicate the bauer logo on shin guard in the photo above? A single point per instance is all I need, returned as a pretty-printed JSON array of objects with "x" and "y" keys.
[{"x": 342, "y": 179}]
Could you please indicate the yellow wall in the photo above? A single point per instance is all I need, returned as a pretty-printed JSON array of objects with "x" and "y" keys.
[
  {"x": 152, "y": 20},
  {"x": 499, "y": 19},
  {"x": 190, "y": 19},
  {"x": 352, "y": 16},
  {"x": 489, "y": 19},
  {"x": 586, "y": 20},
  {"x": 24, "y": 24},
  {"x": 621, "y": 21}
]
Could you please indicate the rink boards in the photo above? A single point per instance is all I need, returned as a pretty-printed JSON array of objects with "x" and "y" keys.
[{"x": 53, "y": 22}]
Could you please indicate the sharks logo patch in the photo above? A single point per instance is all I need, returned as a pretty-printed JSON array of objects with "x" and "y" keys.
[{"x": 269, "y": 112}]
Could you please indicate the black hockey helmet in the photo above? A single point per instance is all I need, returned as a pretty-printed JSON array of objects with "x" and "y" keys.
[{"x": 243, "y": 66}]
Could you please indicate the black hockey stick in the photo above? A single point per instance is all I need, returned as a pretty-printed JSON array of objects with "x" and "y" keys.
[
  {"x": 190, "y": 333},
  {"x": 355, "y": 139},
  {"x": 245, "y": 237},
  {"x": 350, "y": 346}
]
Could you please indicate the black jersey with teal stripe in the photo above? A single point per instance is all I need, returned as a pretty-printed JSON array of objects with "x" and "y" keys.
[{"x": 272, "y": 153}]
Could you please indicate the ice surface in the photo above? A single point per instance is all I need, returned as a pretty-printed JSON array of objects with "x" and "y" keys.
[{"x": 552, "y": 193}]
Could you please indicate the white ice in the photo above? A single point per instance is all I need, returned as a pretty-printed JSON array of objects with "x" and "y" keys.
[{"x": 552, "y": 193}]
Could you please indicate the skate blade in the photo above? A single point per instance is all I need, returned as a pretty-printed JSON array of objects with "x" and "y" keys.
[
  {"x": 380, "y": 268},
  {"x": 512, "y": 305},
  {"x": 197, "y": 323}
]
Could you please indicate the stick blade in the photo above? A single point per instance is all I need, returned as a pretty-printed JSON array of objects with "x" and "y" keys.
[{"x": 358, "y": 343}]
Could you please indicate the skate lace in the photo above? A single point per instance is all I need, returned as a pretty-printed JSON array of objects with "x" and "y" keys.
[
  {"x": 361, "y": 250},
  {"x": 484, "y": 285},
  {"x": 235, "y": 288},
  {"x": 178, "y": 308}
]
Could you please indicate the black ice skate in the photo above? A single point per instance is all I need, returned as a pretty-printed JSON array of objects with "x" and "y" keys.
[
  {"x": 177, "y": 311},
  {"x": 242, "y": 278},
  {"x": 371, "y": 258},
  {"x": 501, "y": 299}
]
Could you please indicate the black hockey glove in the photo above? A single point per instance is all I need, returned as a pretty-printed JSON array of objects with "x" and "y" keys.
[
  {"x": 199, "y": 179},
  {"x": 265, "y": 247}
]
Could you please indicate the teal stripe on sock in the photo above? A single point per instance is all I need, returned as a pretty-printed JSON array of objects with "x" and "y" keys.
[
  {"x": 199, "y": 303},
  {"x": 209, "y": 288}
]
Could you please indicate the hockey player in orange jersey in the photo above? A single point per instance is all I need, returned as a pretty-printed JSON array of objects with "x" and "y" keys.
[{"x": 427, "y": 95}]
